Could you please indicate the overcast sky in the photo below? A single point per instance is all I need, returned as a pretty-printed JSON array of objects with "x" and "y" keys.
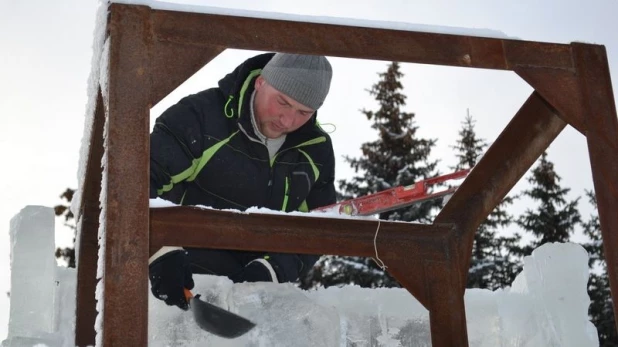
[{"x": 46, "y": 50}]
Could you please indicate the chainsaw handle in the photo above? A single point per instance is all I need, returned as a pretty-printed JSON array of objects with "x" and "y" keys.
[{"x": 188, "y": 294}]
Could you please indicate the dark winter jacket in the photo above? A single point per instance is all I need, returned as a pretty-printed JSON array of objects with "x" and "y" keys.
[{"x": 204, "y": 151}]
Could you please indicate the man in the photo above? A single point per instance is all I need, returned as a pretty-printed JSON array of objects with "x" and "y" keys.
[{"x": 253, "y": 141}]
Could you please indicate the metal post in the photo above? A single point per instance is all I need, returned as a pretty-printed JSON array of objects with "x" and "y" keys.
[
  {"x": 602, "y": 135},
  {"x": 88, "y": 217},
  {"x": 126, "y": 180}
]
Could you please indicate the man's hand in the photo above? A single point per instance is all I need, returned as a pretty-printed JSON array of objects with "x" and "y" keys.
[{"x": 170, "y": 274}]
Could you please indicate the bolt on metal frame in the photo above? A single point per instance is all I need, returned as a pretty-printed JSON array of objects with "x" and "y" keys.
[{"x": 154, "y": 51}]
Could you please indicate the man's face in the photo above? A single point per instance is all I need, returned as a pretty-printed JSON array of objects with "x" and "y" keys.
[{"x": 277, "y": 114}]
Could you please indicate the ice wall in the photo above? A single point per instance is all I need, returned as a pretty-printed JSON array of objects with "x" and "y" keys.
[{"x": 546, "y": 305}]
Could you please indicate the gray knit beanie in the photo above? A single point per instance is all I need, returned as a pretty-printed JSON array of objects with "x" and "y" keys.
[{"x": 304, "y": 78}]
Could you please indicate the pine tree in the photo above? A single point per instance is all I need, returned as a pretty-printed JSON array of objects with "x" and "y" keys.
[
  {"x": 555, "y": 219},
  {"x": 492, "y": 265},
  {"x": 67, "y": 253},
  {"x": 601, "y": 311},
  {"x": 469, "y": 147},
  {"x": 397, "y": 158}
]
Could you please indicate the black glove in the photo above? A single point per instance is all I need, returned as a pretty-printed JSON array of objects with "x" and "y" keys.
[{"x": 170, "y": 274}]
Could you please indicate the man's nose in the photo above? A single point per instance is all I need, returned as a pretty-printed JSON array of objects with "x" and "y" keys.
[{"x": 286, "y": 118}]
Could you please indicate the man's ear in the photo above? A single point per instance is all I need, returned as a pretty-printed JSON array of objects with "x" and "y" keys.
[{"x": 259, "y": 82}]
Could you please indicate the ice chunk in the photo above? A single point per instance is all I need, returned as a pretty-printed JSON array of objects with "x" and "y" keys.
[
  {"x": 377, "y": 317},
  {"x": 64, "y": 306},
  {"x": 33, "y": 273},
  {"x": 18, "y": 341},
  {"x": 286, "y": 316},
  {"x": 66, "y": 279},
  {"x": 554, "y": 286}
]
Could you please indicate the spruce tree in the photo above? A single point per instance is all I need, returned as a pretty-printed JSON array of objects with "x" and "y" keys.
[
  {"x": 555, "y": 218},
  {"x": 61, "y": 210},
  {"x": 601, "y": 310},
  {"x": 397, "y": 158},
  {"x": 469, "y": 147},
  {"x": 491, "y": 266}
]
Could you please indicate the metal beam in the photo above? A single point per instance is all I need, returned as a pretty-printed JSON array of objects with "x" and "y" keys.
[
  {"x": 560, "y": 88},
  {"x": 88, "y": 222},
  {"x": 126, "y": 181},
  {"x": 447, "y": 309},
  {"x": 196, "y": 227},
  {"x": 602, "y": 124},
  {"x": 519, "y": 53},
  {"x": 523, "y": 140},
  {"x": 353, "y": 42},
  {"x": 174, "y": 63}
]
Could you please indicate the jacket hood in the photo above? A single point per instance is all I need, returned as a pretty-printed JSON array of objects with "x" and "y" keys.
[{"x": 231, "y": 84}]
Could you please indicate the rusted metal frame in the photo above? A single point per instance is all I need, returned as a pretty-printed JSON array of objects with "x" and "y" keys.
[
  {"x": 196, "y": 227},
  {"x": 560, "y": 87},
  {"x": 447, "y": 312},
  {"x": 173, "y": 63},
  {"x": 519, "y": 53},
  {"x": 401, "y": 243},
  {"x": 126, "y": 180},
  {"x": 88, "y": 221},
  {"x": 353, "y": 42},
  {"x": 524, "y": 139},
  {"x": 511, "y": 52},
  {"x": 599, "y": 109}
]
